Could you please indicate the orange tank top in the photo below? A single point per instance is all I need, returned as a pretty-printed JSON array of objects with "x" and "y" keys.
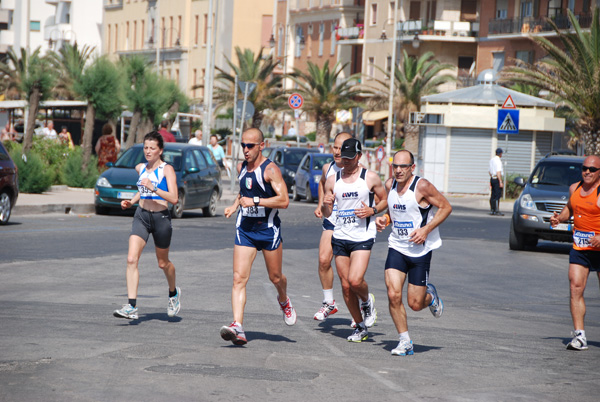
[{"x": 586, "y": 218}]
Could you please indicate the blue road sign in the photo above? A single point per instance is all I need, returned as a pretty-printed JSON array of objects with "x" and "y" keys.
[{"x": 508, "y": 121}]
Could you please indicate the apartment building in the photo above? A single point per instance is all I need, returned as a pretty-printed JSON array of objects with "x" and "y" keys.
[
  {"x": 507, "y": 25},
  {"x": 307, "y": 30},
  {"x": 174, "y": 34},
  {"x": 48, "y": 24}
]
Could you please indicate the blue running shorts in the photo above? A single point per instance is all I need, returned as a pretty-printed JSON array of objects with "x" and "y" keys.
[
  {"x": 328, "y": 225},
  {"x": 346, "y": 247},
  {"x": 263, "y": 239},
  {"x": 416, "y": 268},
  {"x": 587, "y": 258}
]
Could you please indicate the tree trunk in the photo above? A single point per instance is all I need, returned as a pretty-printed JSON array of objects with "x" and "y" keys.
[
  {"x": 173, "y": 109},
  {"x": 324, "y": 124},
  {"x": 34, "y": 106},
  {"x": 146, "y": 126},
  {"x": 257, "y": 119},
  {"x": 411, "y": 138},
  {"x": 591, "y": 140},
  {"x": 133, "y": 128},
  {"x": 88, "y": 135}
]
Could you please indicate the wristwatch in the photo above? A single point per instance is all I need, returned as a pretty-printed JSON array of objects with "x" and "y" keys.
[
  {"x": 155, "y": 189},
  {"x": 374, "y": 210},
  {"x": 256, "y": 200}
]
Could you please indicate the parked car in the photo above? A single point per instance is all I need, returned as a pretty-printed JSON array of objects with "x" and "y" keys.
[
  {"x": 198, "y": 179},
  {"x": 546, "y": 191},
  {"x": 288, "y": 159},
  {"x": 9, "y": 185},
  {"x": 308, "y": 175}
]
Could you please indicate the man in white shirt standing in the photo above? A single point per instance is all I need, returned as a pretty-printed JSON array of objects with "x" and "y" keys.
[
  {"x": 197, "y": 138},
  {"x": 50, "y": 132},
  {"x": 496, "y": 182}
]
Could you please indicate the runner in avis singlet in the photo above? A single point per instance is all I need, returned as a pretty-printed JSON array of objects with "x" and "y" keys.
[
  {"x": 353, "y": 189},
  {"x": 414, "y": 235},
  {"x": 157, "y": 186},
  {"x": 584, "y": 207},
  {"x": 329, "y": 306},
  {"x": 262, "y": 192}
]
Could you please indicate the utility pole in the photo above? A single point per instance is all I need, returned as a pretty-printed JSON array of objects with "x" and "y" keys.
[
  {"x": 388, "y": 142},
  {"x": 207, "y": 75}
]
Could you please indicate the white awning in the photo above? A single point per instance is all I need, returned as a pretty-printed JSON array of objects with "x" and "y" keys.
[{"x": 369, "y": 118}]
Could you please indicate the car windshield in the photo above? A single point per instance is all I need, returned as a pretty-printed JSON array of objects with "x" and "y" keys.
[
  {"x": 134, "y": 156},
  {"x": 556, "y": 173},
  {"x": 321, "y": 160},
  {"x": 294, "y": 158}
]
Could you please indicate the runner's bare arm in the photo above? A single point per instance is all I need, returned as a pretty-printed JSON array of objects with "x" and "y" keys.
[
  {"x": 381, "y": 222},
  {"x": 231, "y": 210},
  {"x": 328, "y": 197},
  {"x": 567, "y": 210},
  {"x": 427, "y": 191},
  {"x": 281, "y": 199},
  {"x": 318, "y": 212}
]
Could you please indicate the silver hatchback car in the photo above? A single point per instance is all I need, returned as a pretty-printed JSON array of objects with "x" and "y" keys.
[{"x": 545, "y": 192}]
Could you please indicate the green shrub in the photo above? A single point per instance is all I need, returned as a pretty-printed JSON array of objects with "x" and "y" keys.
[
  {"x": 513, "y": 191},
  {"x": 34, "y": 176},
  {"x": 312, "y": 136},
  {"x": 398, "y": 142},
  {"x": 74, "y": 176},
  {"x": 54, "y": 154}
]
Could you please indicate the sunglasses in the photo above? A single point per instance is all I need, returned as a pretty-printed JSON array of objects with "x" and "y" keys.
[
  {"x": 590, "y": 168},
  {"x": 249, "y": 146},
  {"x": 402, "y": 166}
]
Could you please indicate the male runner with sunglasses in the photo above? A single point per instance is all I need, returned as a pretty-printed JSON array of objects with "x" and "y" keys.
[
  {"x": 584, "y": 207},
  {"x": 414, "y": 235},
  {"x": 353, "y": 191},
  {"x": 262, "y": 192}
]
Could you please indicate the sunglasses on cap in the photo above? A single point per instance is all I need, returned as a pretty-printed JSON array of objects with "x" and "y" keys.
[
  {"x": 248, "y": 145},
  {"x": 590, "y": 168}
]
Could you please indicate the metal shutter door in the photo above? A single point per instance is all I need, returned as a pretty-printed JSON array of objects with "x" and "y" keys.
[
  {"x": 543, "y": 144},
  {"x": 469, "y": 161},
  {"x": 517, "y": 156}
]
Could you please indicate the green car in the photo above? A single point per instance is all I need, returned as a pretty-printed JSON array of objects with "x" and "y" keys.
[{"x": 198, "y": 179}]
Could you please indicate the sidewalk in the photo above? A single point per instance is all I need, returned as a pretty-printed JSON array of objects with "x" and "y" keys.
[{"x": 63, "y": 199}]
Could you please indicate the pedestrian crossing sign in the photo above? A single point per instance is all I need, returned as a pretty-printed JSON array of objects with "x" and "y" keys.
[{"x": 508, "y": 121}]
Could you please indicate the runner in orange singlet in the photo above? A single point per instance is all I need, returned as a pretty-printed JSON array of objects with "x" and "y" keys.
[{"x": 584, "y": 207}]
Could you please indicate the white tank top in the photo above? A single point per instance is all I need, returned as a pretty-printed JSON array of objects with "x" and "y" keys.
[
  {"x": 158, "y": 179},
  {"x": 348, "y": 197},
  {"x": 407, "y": 215},
  {"x": 333, "y": 169}
]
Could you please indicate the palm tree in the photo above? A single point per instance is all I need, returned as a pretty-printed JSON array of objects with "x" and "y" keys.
[
  {"x": 257, "y": 69},
  {"x": 324, "y": 93},
  {"x": 135, "y": 70},
  {"x": 414, "y": 78},
  {"x": 100, "y": 85},
  {"x": 570, "y": 73},
  {"x": 30, "y": 77},
  {"x": 70, "y": 61}
]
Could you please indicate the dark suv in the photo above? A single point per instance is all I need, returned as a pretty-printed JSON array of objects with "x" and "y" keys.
[
  {"x": 546, "y": 192},
  {"x": 9, "y": 185},
  {"x": 288, "y": 159}
]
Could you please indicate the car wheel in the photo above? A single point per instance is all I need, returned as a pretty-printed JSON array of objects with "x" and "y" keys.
[
  {"x": 5, "y": 208},
  {"x": 211, "y": 209},
  {"x": 177, "y": 210},
  {"x": 309, "y": 196},
  {"x": 295, "y": 195},
  {"x": 516, "y": 240},
  {"x": 101, "y": 210},
  {"x": 531, "y": 241}
]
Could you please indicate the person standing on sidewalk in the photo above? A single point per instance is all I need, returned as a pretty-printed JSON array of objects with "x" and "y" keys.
[
  {"x": 166, "y": 134},
  {"x": 262, "y": 193},
  {"x": 414, "y": 235},
  {"x": 496, "y": 182},
  {"x": 325, "y": 251},
  {"x": 584, "y": 207},
  {"x": 353, "y": 190},
  {"x": 157, "y": 186}
]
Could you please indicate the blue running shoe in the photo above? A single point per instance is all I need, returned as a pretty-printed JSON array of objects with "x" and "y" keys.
[
  {"x": 437, "y": 305},
  {"x": 127, "y": 311}
]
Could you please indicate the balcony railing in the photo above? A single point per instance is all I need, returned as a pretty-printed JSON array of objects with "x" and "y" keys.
[
  {"x": 306, "y": 4},
  {"x": 108, "y": 4},
  {"x": 533, "y": 25},
  {"x": 356, "y": 32}
]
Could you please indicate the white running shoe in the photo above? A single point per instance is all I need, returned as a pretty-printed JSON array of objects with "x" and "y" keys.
[
  {"x": 369, "y": 312},
  {"x": 360, "y": 334},
  {"x": 174, "y": 304},
  {"x": 437, "y": 305},
  {"x": 578, "y": 342},
  {"x": 234, "y": 333},
  {"x": 289, "y": 313},
  {"x": 127, "y": 311},
  {"x": 404, "y": 348},
  {"x": 325, "y": 311}
]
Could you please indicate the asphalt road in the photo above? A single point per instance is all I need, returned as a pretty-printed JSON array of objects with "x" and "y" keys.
[{"x": 502, "y": 335}]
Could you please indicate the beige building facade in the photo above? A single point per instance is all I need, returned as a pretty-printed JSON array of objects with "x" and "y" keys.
[{"x": 174, "y": 33}]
